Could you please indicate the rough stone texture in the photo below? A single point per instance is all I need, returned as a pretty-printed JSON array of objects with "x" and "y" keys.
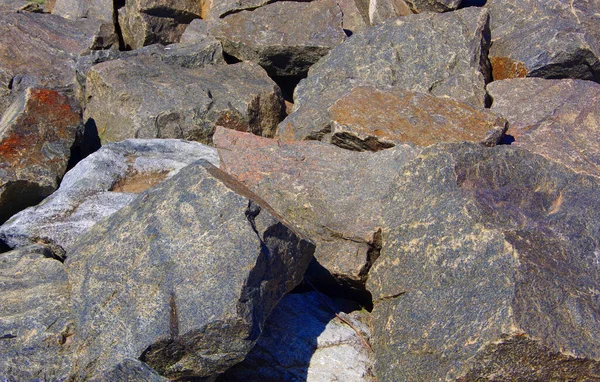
[
  {"x": 100, "y": 185},
  {"x": 101, "y": 10},
  {"x": 558, "y": 119},
  {"x": 36, "y": 136},
  {"x": 196, "y": 31},
  {"x": 19, "y": 5},
  {"x": 285, "y": 37},
  {"x": 145, "y": 22},
  {"x": 442, "y": 54},
  {"x": 36, "y": 324},
  {"x": 352, "y": 19},
  {"x": 202, "y": 262},
  {"x": 544, "y": 38},
  {"x": 382, "y": 10},
  {"x": 304, "y": 341},
  {"x": 489, "y": 269},
  {"x": 143, "y": 97},
  {"x": 368, "y": 118},
  {"x": 215, "y": 9},
  {"x": 332, "y": 195}
]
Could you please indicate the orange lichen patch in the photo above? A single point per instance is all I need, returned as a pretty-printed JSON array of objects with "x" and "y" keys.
[
  {"x": 139, "y": 182},
  {"x": 504, "y": 68},
  {"x": 15, "y": 146}
]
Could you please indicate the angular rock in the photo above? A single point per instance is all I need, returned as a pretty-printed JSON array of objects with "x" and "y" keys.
[
  {"x": 146, "y": 22},
  {"x": 539, "y": 38},
  {"x": 276, "y": 35},
  {"x": 352, "y": 19},
  {"x": 489, "y": 269},
  {"x": 333, "y": 195},
  {"x": 304, "y": 341},
  {"x": 201, "y": 263},
  {"x": 101, "y": 10},
  {"x": 36, "y": 323},
  {"x": 560, "y": 120},
  {"x": 143, "y": 97},
  {"x": 19, "y": 5},
  {"x": 442, "y": 54},
  {"x": 382, "y": 10},
  {"x": 196, "y": 31},
  {"x": 36, "y": 136},
  {"x": 213, "y": 9},
  {"x": 368, "y": 118},
  {"x": 100, "y": 185}
]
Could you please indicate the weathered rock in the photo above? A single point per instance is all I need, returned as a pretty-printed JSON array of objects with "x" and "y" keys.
[
  {"x": 213, "y": 9},
  {"x": 276, "y": 35},
  {"x": 202, "y": 262},
  {"x": 143, "y": 97},
  {"x": 19, "y": 5},
  {"x": 442, "y": 54},
  {"x": 539, "y": 38},
  {"x": 304, "y": 341},
  {"x": 100, "y": 185},
  {"x": 101, "y": 10},
  {"x": 489, "y": 269},
  {"x": 146, "y": 22},
  {"x": 368, "y": 118},
  {"x": 382, "y": 10},
  {"x": 333, "y": 195},
  {"x": 352, "y": 19},
  {"x": 558, "y": 119},
  {"x": 36, "y": 136},
  {"x": 196, "y": 31},
  {"x": 36, "y": 323}
]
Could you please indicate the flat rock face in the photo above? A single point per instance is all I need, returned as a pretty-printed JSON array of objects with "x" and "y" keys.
[
  {"x": 201, "y": 263},
  {"x": 100, "y": 185},
  {"x": 36, "y": 323},
  {"x": 143, "y": 97},
  {"x": 285, "y": 38},
  {"x": 36, "y": 136},
  {"x": 215, "y": 9},
  {"x": 549, "y": 39},
  {"x": 441, "y": 54},
  {"x": 382, "y": 10},
  {"x": 561, "y": 120},
  {"x": 488, "y": 269},
  {"x": 368, "y": 118},
  {"x": 101, "y": 10},
  {"x": 333, "y": 195},
  {"x": 304, "y": 341}
]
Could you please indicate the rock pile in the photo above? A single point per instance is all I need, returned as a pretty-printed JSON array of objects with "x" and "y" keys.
[{"x": 356, "y": 190}]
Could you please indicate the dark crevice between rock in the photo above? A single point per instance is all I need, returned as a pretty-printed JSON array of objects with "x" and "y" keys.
[
  {"x": 250, "y": 9},
  {"x": 86, "y": 142},
  {"x": 179, "y": 17},
  {"x": 472, "y": 3},
  {"x": 507, "y": 140},
  {"x": 582, "y": 64},
  {"x": 230, "y": 60},
  {"x": 4, "y": 248},
  {"x": 349, "y": 141},
  {"x": 287, "y": 84},
  {"x": 19, "y": 195},
  {"x": 118, "y": 4}
]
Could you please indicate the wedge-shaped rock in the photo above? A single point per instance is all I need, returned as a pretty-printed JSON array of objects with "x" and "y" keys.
[
  {"x": 100, "y": 185},
  {"x": 100, "y": 10},
  {"x": 144, "y": 97},
  {"x": 561, "y": 120},
  {"x": 489, "y": 269},
  {"x": 368, "y": 118},
  {"x": 550, "y": 39},
  {"x": 333, "y": 195},
  {"x": 201, "y": 263},
  {"x": 36, "y": 323},
  {"x": 36, "y": 136},
  {"x": 276, "y": 35},
  {"x": 442, "y": 54}
]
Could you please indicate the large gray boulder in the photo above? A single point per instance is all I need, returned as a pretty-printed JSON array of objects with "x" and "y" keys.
[
  {"x": 100, "y": 185},
  {"x": 489, "y": 269},
  {"x": 558, "y": 119},
  {"x": 201, "y": 263},
  {"x": 36, "y": 323},
  {"x": 544, "y": 38},
  {"x": 144, "y": 97},
  {"x": 285, "y": 37},
  {"x": 37, "y": 133},
  {"x": 442, "y": 54},
  {"x": 100, "y": 10}
]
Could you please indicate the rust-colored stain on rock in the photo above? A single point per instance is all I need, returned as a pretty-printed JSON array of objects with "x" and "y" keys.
[
  {"x": 139, "y": 182},
  {"x": 504, "y": 68}
]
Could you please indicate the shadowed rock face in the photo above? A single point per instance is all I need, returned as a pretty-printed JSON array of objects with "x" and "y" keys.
[
  {"x": 202, "y": 262},
  {"x": 488, "y": 269}
]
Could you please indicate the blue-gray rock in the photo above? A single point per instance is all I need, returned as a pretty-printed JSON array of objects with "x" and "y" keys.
[{"x": 183, "y": 278}]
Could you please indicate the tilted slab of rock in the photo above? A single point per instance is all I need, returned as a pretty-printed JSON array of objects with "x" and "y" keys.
[
  {"x": 143, "y": 97},
  {"x": 276, "y": 35},
  {"x": 304, "y": 341},
  {"x": 145, "y": 22},
  {"x": 36, "y": 135},
  {"x": 489, "y": 269},
  {"x": 442, "y": 54},
  {"x": 332, "y": 195},
  {"x": 101, "y": 10},
  {"x": 100, "y": 185},
  {"x": 544, "y": 38},
  {"x": 368, "y": 118},
  {"x": 201, "y": 263},
  {"x": 36, "y": 321},
  {"x": 559, "y": 119}
]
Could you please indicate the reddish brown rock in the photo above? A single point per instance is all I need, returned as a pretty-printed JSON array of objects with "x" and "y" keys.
[
  {"x": 558, "y": 119},
  {"x": 367, "y": 118},
  {"x": 36, "y": 135}
]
